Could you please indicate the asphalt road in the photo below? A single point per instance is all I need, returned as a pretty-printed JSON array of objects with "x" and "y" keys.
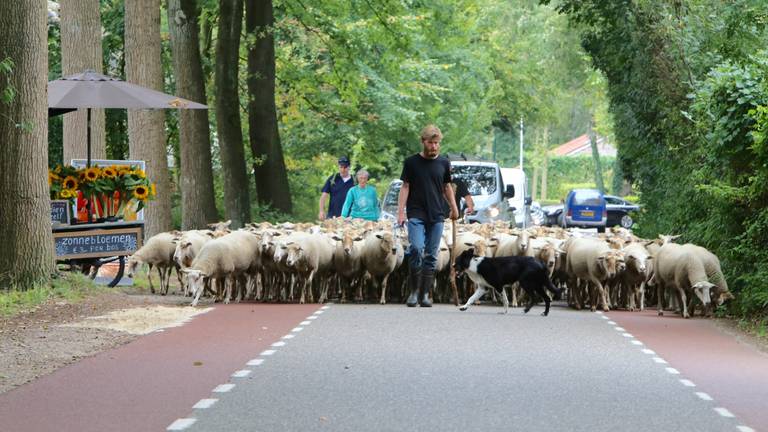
[{"x": 392, "y": 368}]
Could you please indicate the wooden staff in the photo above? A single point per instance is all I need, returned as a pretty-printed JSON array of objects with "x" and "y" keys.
[{"x": 453, "y": 260}]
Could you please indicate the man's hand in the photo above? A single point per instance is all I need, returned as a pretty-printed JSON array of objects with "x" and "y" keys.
[
  {"x": 469, "y": 210},
  {"x": 321, "y": 215},
  {"x": 401, "y": 219},
  {"x": 454, "y": 213}
]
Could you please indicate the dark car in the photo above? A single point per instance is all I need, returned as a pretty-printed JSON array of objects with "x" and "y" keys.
[{"x": 619, "y": 212}]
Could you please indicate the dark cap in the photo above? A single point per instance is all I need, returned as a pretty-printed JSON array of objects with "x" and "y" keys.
[{"x": 344, "y": 161}]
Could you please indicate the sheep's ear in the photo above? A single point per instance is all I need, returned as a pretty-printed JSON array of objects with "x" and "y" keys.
[
  {"x": 359, "y": 238},
  {"x": 210, "y": 234},
  {"x": 469, "y": 244},
  {"x": 277, "y": 234},
  {"x": 379, "y": 236},
  {"x": 443, "y": 248},
  {"x": 337, "y": 238},
  {"x": 601, "y": 258}
]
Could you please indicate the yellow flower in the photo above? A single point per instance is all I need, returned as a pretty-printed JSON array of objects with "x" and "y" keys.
[
  {"x": 92, "y": 173},
  {"x": 140, "y": 172},
  {"x": 141, "y": 192},
  {"x": 66, "y": 193},
  {"x": 69, "y": 183},
  {"x": 109, "y": 172},
  {"x": 154, "y": 191},
  {"x": 124, "y": 170},
  {"x": 52, "y": 178}
]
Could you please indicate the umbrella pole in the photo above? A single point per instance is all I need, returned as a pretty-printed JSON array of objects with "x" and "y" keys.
[{"x": 88, "y": 162}]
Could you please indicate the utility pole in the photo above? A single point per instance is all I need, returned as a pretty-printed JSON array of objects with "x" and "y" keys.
[{"x": 521, "y": 142}]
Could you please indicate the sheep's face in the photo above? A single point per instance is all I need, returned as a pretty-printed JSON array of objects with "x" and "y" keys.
[
  {"x": 195, "y": 280},
  {"x": 638, "y": 263},
  {"x": 131, "y": 266},
  {"x": 294, "y": 254},
  {"x": 522, "y": 241},
  {"x": 387, "y": 243},
  {"x": 548, "y": 255},
  {"x": 612, "y": 262},
  {"x": 183, "y": 255},
  {"x": 722, "y": 297},
  {"x": 702, "y": 289}
]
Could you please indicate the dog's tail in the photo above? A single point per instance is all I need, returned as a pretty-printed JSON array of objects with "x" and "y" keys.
[{"x": 555, "y": 290}]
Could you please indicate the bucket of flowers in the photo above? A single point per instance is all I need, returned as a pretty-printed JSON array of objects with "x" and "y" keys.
[{"x": 111, "y": 191}]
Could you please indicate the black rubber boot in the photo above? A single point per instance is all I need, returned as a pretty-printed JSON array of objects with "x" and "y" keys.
[
  {"x": 414, "y": 279},
  {"x": 427, "y": 281}
]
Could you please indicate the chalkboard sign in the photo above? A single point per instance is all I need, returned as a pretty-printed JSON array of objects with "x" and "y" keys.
[
  {"x": 60, "y": 212},
  {"x": 97, "y": 243}
]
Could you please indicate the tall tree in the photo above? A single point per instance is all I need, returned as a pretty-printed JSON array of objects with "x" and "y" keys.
[
  {"x": 81, "y": 50},
  {"x": 198, "y": 205},
  {"x": 595, "y": 155},
  {"x": 236, "y": 196},
  {"x": 269, "y": 166},
  {"x": 146, "y": 135},
  {"x": 26, "y": 257}
]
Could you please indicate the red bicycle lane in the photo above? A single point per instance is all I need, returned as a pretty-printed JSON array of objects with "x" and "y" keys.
[
  {"x": 149, "y": 383},
  {"x": 733, "y": 373}
]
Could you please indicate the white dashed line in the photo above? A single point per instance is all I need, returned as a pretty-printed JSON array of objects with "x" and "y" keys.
[
  {"x": 255, "y": 362},
  {"x": 599, "y": 312},
  {"x": 312, "y": 317},
  {"x": 704, "y": 396},
  {"x": 659, "y": 360},
  {"x": 297, "y": 329},
  {"x": 318, "y": 312},
  {"x": 278, "y": 344},
  {"x": 673, "y": 371},
  {"x": 724, "y": 412},
  {"x": 325, "y": 307},
  {"x": 604, "y": 317},
  {"x": 241, "y": 373},
  {"x": 181, "y": 424},
  {"x": 648, "y": 351},
  {"x": 636, "y": 342},
  {"x": 305, "y": 323},
  {"x": 223, "y": 388},
  {"x": 687, "y": 383},
  {"x": 611, "y": 322},
  {"x": 267, "y": 352},
  {"x": 205, "y": 403},
  {"x": 627, "y": 335},
  {"x": 745, "y": 429},
  {"x": 619, "y": 329}
]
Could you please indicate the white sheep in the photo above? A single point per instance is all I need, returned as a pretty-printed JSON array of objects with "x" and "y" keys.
[
  {"x": 157, "y": 252},
  {"x": 380, "y": 257}
]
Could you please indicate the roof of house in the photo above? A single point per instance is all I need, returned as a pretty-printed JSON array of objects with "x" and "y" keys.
[{"x": 581, "y": 145}]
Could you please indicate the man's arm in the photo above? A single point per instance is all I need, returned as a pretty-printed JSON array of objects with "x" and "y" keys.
[
  {"x": 402, "y": 198},
  {"x": 448, "y": 192},
  {"x": 323, "y": 199},
  {"x": 470, "y": 203}
]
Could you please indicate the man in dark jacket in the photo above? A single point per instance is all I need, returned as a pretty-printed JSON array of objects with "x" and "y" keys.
[
  {"x": 336, "y": 187},
  {"x": 426, "y": 187}
]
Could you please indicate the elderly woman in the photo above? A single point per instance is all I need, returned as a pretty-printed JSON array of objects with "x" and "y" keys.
[{"x": 361, "y": 200}]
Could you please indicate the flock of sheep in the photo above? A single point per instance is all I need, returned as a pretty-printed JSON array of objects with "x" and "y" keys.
[{"x": 340, "y": 258}]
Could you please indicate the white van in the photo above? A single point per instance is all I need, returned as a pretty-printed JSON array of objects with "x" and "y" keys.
[
  {"x": 484, "y": 182},
  {"x": 521, "y": 201}
]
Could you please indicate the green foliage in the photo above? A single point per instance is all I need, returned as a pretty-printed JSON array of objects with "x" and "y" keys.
[
  {"x": 70, "y": 287},
  {"x": 569, "y": 172}
]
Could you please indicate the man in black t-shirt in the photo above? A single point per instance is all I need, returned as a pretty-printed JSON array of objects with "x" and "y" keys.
[{"x": 426, "y": 187}]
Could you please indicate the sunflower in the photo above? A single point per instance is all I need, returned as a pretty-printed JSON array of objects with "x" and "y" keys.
[
  {"x": 52, "y": 178},
  {"x": 140, "y": 173},
  {"x": 141, "y": 192},
  {"x": 69, "y": 183},
  {"x": 67, "y": 193},
  {"x": 92, "y": 173},
  {"x": 109, "y": 172}
]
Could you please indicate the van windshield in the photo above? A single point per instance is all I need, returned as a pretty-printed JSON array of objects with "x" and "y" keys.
[
  {"x": 480, "y": 180},
  {"x": 583, "y": 198}
]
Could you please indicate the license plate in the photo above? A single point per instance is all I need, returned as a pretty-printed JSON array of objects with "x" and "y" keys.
[{"x": 588, "y": 213}]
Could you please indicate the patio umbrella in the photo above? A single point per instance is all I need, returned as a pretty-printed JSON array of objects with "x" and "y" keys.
[{"x": 94, "y": 90}]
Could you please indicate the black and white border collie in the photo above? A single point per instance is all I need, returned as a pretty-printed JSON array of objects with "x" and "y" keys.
[{"x": 500, "y": 272}]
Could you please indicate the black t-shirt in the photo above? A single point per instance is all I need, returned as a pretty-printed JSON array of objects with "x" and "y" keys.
[
  {"x": 426, "y": 179},
  {"x": 460, "y": 191}
]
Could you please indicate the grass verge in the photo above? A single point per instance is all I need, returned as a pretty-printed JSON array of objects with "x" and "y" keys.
[{"x": 68, "y": 287}]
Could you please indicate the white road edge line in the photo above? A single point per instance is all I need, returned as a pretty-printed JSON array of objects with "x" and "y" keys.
[
  {"x": 673, "y": 371},
  {"x": 687, "y": 383},
  {"x": 255, "y": 362},
  {"x": 267, "y": 352},
  {"x": 611, "y": 323},
  {"x": 724, "y": 412},
  {"x": 205, "y": 403},
  {"x": 318, "y": 312},
  {"x": 288, "y": 336},
  {"x": 311, "y": 317},
  {"x": 305, "y": 323},
  {"x": 325, "y": 307},
  {"x": 181, "y": 424},
  {"x": 621, "y": 329},
  {"x": 659, "y": 360},
  {"x": 704, "y": 396},
  {"x": 297, "y": 329},
  {"x": 745, "y": 429},
  {"x": 278, "y": 344},
  {"x": 604, "y": 317},
  {"x": 241, "y": 373},
  {"x": 627, "y": 335},
  {"x": 636, "y": 342},
  {"x": 649, "y": 351},
  {"x": 223, "y": 388}
]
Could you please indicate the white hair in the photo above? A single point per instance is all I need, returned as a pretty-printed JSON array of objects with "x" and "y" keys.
[{"x": 363, "y": 172}]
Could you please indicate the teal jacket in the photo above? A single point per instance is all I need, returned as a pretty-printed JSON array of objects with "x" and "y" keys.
[{"x": 361, "y": 203}]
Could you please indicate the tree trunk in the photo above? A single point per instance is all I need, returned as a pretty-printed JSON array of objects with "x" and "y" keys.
[
  {"x": 146, "y": 134},
  {"x": 596, "y": 156},
  {"x": 26, "y": 255},
  {"x": 545, "y": 166},
  {"x": 269, "y": 169},
  {"x": 81, "y": 50},
  {"x": 236, "y": 196},
  {"x": 198, "y": 206}
]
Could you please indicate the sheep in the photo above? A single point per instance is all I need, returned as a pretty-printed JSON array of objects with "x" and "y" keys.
[
  {"x": 714, "y": 274},
  {"x": 681, "y": 268},
  {"x": 309, "y": 256},
  {"x": 158, "y": 252},
  {"x": 633, "y": 278},
  {"x": 347, "y": 260},
  {"x": 592, "y": 261},
  {"x": 379, "y": 257}
]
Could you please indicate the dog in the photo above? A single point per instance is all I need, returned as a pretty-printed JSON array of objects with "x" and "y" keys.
[{"x": 498, "y": 273}]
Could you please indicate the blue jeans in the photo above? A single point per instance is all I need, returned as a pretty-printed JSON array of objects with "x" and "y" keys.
[{"x": 425, "y": 241}]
